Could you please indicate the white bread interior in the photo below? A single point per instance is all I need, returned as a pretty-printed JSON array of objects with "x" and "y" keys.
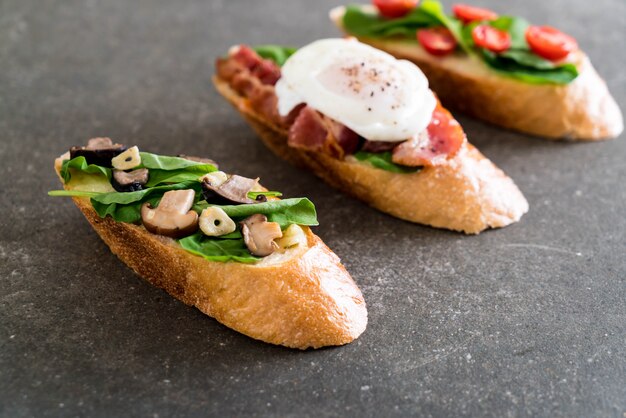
[
  {"x": 468, "y": 194},
  {"x": 302, "y": 299},
  {"x": 581, "y": 110}
]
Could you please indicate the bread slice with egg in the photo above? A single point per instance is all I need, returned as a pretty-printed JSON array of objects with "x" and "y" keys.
[
  {"x": 468, "y": 193},
  {"x": 581, "y": 110},
  {"x": 300, "y": 298}
]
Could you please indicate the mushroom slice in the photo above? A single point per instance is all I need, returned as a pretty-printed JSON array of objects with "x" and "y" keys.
[
  {"x": 131, "y": 181},
  {"x": 173, "y": 217},
  {"x": 98, "y": 151},
  {"x": 259, "y": 234},
  {"x": 233, "y": 190}
]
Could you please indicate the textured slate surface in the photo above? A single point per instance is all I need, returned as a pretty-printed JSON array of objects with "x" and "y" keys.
[{"x": 528, "y": 320}]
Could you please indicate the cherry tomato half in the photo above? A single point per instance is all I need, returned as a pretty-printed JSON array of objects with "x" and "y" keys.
[
  {"x": 394, "y": 8},
  {"x": 437, "y": 41},
  {"x": 471, "y": 14},
  {"x": 550, "y": 43},
  {"x": 493, "y": 39}
]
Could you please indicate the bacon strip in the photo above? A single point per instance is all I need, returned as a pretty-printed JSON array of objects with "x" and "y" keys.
[
  {"x": 442, "y": 140},
  {"x": 313, "y": 131}
]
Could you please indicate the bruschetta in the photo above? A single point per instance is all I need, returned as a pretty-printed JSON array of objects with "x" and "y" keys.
[
  {"x": 502, "y": 69},
  {"x": 368, "y": 125},
  {"x": 216, "y": 241}
]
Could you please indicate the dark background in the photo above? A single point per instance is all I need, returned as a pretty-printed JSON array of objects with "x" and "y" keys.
[{"x": 526, "y": 320}]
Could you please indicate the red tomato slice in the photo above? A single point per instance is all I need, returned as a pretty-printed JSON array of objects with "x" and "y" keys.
[
  {"x": 493, "y": 39},
  {"x": 471, "y": 14},
  {"x": 394, "y": 8},
  {"x": 437, "y": 41},
  {"x": 550, "y": 43}
]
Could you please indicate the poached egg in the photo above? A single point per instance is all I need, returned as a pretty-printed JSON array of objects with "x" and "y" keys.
[{"x": 371, "y": 92}]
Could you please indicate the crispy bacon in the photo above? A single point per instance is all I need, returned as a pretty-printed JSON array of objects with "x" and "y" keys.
[
  {"x": 442, "y": 140},
  {"x": 315, "y": 132}
]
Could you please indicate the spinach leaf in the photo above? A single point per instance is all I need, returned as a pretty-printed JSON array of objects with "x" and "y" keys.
[
  {"x": 254, "y": 195},
  {"x": 162, "y": 162},
  {"x": 80, "y": 164},
  {"x": 299, "y": 211},
  {"x": 73, "y": 193},
  {"x": 383, "y": 161},
  {"x": 516, "y": 27},
  {"x": 126, "y": 206},
  {"x": 529, "y": 68},
  {"x": 362, "y": 23},
  {"x": 215, "y": 249},
  {"x": 159, "y": 177},
  {"x": 277, "y": 53}
]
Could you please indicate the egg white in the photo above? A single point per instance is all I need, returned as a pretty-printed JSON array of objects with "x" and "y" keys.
[{"x": 376, "y": 95}]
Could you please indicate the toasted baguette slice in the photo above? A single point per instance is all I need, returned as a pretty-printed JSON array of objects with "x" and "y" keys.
[
  {"x": 301, "y": 298},
  {"x": 581, "y": 110},
  {"x": 468, "y": 194}
]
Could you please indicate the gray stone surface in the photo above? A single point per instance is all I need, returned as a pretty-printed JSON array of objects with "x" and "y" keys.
[{"x": 528, "y": 320}]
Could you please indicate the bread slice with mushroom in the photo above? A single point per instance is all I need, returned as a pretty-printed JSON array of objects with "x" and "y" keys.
[{"x": 300, "y": 297}]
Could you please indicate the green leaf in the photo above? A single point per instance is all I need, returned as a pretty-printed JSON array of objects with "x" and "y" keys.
[
  {"x": 80, "y": 164},
  {"x": 73, "y": 193},
  {"x": 160, "y": 177},
  {"x": 516, "y": 27},
  {"x": 213, "y": 249},
  {"x": 277, "y": 53},
  {"x": 254, "y": 195},
  {"x": 162, "y": 162},
  {"x": 363, "y": 23},
  {"x": 529, "y": 68},
  {"x": 299, "y": 211},
  {"x": 382, "y": 160},
  {"x": 126, "y": 206}
]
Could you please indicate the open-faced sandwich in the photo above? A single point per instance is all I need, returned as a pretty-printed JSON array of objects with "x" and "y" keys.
[
  {"x": 217, "y": 241},
  {"x": 368, "y": 124},
  {"x": 501, "y": 69}
]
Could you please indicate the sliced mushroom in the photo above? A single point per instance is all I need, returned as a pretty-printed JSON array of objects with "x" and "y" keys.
[
  {"x": 98, "y": 151},
  {"x": 233, "y": 190},
  {"x": 259, "y": 234},
  {"x": 131, "y": 181},
  {"x": 198, "y": 159},
  {"x": 173, "y": 217},
  {"x": 214, "y": 222},
  {"x": 127, "y": 160}
]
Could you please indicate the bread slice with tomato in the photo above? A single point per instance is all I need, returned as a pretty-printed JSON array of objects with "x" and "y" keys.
[
  {"x": 432, "y": 176},
  {"x": 501, "y": 69},
  {"x": 217, "y": 241}
]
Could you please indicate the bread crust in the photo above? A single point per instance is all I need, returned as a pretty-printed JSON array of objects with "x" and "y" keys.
[
  {"x": 468, "y": 194},
  {"x": 581, "y": 110},
  {"x": 305, "y": 299}
]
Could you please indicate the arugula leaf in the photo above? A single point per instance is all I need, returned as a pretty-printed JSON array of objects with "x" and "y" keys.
[
  {"x": 162, "y": 162},
  {"x": 80, "y": 164},
  {"x": 218, "y": 249},
  {"x": 277, "y": 53},
  {"x": 382, "y": 160},
  {"x": 254, "y": 195},
  {"x": 299, "y": 211},
  {"x": 126, "y": 206}
]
